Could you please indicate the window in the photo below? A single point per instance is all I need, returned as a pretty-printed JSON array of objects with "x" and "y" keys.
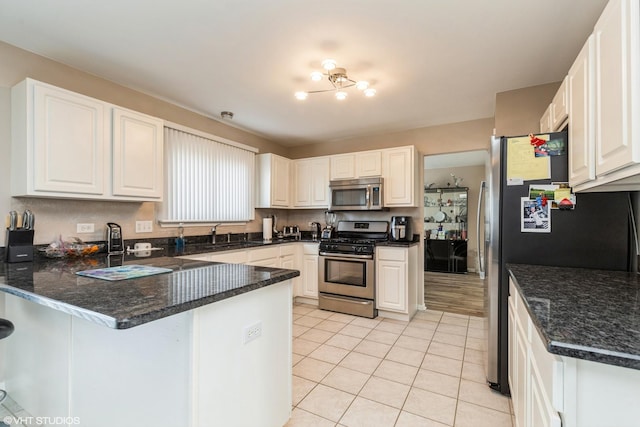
[{"x": 207, "y": 180}]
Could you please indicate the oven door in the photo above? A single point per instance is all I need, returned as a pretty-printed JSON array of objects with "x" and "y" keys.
[{"x": 347, "y": 275}]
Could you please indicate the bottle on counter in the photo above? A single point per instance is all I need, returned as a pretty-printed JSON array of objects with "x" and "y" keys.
[{"x": 180, "y": 239}]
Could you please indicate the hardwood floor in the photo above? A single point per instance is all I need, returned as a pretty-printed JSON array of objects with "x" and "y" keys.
[{"x": 455, "y": 293}]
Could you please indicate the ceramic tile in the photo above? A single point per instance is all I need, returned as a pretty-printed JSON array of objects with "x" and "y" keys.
[
  {"x": 342, "y": 318},
  {"x": 301, "y": 418},
  {"x": 422, "y": 333},
  {"x": 431, "y": 405},
  {"x": 367, "y": 323},
  {"x": 330, "y": 325},
  {"x": 446, "y": 350},
  {"x": 480, "y": 394},
  {"x": 423, "y": 324},
  {"x": 451, "y": 339},
  {"x": 307, "y": 321},
  {"x": 366, "y": 413},
  {"x": 300, "y": 388},
  {"x": 452, "y": 329},
  {"x": 302, "y": 309},
  {"x": 382, "y": 336},
  {"x": 322, "y": 314},
  {"x": 372, "y": 348},
  {"x": 312, "y": 369},
  {"x": 384, "y": 391},
  {"x": 470, "y": 415},
  {"x": 405, "y": 355},
  {"x": 397, "y": 372},
  {"x": 295, "y": 358},
  {"x": 393, "y": 327},
  {"x": 413, "y": 343},
  {"x": 441, "y": 364},
  {"x": 298, "y": 330},
  {"x": 475, "y": 333},
  {"x": 476, "y": 343},
  {"x": 343, "y": 341},
  {"x": 407, "y": 419},
  {"x": 437, "y": 382},
  {"x": 327, "y": 402},
  {"x": 317, "y": 335},
  {"x": 346, "y": 379},
  {"x": 360, "y": 362},
  {"x": 329, "y": 353},
  {"x": 474, "y": 356},
  {"x": 455, "y": 319},
  {"x": 432, "y": 315},
  {"x": 304, "y": 347},
  {"x": 474, "y": 372},
  {"x": 355, "y": 331}
]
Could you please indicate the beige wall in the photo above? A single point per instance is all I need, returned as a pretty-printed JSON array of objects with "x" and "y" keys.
[
  {"x": 450, "y": 138},
  {"x": 518, "y": 112}
]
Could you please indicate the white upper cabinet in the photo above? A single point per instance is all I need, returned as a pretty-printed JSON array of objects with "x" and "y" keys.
[
  {"x": 343, "y": 166},
  {"x": 60, "y": 142},
  {"x": 137, "y": 154},
  {"x": 311, "y": 182},
  {"x": 66, "y": 145},
  {"x": 545, "y": 120},
  {"x": 400, "y": 178},
  {"x": 356, "y": 165},
  {"x": 559, "y": 108},
  {"x": 604, "y": 150},
  {"x": 272, "y": 181},
  {"x": 580, "y": 83},
  {"x": 617, "y": 66}
]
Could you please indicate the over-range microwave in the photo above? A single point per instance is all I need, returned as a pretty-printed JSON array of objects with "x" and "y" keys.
[{"x": 364, "y": 194}]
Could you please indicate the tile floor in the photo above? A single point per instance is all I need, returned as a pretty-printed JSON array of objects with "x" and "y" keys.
[{"x": 352, "y": 371}]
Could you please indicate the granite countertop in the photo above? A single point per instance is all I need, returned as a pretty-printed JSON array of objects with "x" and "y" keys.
[
  {"x": 126, "y": 303},
  {"x": 582, "y": 313}
]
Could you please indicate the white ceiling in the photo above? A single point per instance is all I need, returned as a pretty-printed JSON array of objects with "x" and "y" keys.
[{"x": 431, "y": 61}]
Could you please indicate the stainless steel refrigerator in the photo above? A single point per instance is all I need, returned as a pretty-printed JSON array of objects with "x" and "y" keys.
[{"x": 597, "y": 233}]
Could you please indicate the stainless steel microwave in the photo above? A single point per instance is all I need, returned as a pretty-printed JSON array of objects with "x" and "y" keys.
[{"x": 364, "y": 194}]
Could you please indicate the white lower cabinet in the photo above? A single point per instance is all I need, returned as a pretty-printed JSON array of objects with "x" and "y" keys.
[
  {"x": 396, "y": 291},
  {"x": 534, "y": 375},
  {"x": 309, "y": 271},
  {"x": 548, "y": 390}
]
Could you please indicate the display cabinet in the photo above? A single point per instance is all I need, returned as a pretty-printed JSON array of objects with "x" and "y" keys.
[{"x": 445, "y": 223}]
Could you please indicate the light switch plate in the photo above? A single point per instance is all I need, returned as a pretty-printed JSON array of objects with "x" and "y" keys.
[
  {"x": 144, "y": 226},
  {"x": 85, "y": 228}
]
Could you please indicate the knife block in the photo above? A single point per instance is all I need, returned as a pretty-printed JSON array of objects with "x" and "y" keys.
[{"x": 19, "y": 245}]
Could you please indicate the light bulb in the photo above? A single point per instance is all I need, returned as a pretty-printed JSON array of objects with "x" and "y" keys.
[
  {"x": 328, "y": 64},
  {"x": 341, "y": 95},
  {"x": 301, "y": 95},
  {"x": 370, "y": 92},
  {"x": 316, "y": 76},
  {"x": 362, "y": 85}
]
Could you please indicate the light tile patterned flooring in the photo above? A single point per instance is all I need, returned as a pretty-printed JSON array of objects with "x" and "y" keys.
[{"x": 352, "y": 371}]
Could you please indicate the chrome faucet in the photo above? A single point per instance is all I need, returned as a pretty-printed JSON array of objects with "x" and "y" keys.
[{"x": 213, "y": 234}]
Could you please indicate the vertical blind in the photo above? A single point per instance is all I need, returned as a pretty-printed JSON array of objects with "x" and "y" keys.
[{"x": 206, "y": 180}]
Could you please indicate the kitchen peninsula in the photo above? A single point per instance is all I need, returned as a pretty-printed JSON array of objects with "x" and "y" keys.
[{"x": 204, "y": 344}]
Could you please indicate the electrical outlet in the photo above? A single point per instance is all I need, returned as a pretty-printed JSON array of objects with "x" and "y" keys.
[
  {"x": 144, "y": 226},
  {"x": 252, "y": 332},
  {"x": 85, "y": 228}
]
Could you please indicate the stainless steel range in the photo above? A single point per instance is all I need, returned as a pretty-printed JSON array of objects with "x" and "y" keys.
[{"x": 346, "y": 271}]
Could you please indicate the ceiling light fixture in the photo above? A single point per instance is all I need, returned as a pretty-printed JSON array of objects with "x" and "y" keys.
[
  {"x": 228, "y": 115},
  {"x": 339, "y": 79}
]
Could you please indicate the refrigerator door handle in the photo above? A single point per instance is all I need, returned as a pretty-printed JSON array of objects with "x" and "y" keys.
[{"x": 481, "y": 268}]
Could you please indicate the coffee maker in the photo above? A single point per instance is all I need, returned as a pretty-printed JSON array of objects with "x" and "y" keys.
[
  {"x": 401, "y": 230},
  {"x": 115, "y": 244}
]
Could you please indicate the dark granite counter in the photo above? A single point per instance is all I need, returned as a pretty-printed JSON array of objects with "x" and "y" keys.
[
  {"x": 582, "y": 313},
  {"x": 127, "y": 303}
]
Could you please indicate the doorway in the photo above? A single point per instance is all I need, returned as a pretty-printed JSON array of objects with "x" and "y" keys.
[{"x": 452, "y": 282}]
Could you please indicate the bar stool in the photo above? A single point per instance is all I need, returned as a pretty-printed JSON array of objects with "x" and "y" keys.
[{"x": 6, "y": 329}]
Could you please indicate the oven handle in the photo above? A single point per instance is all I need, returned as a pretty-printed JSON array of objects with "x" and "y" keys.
[
  {"x": 332, "y": 255},
  {"x": 351, "y": 300}
]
